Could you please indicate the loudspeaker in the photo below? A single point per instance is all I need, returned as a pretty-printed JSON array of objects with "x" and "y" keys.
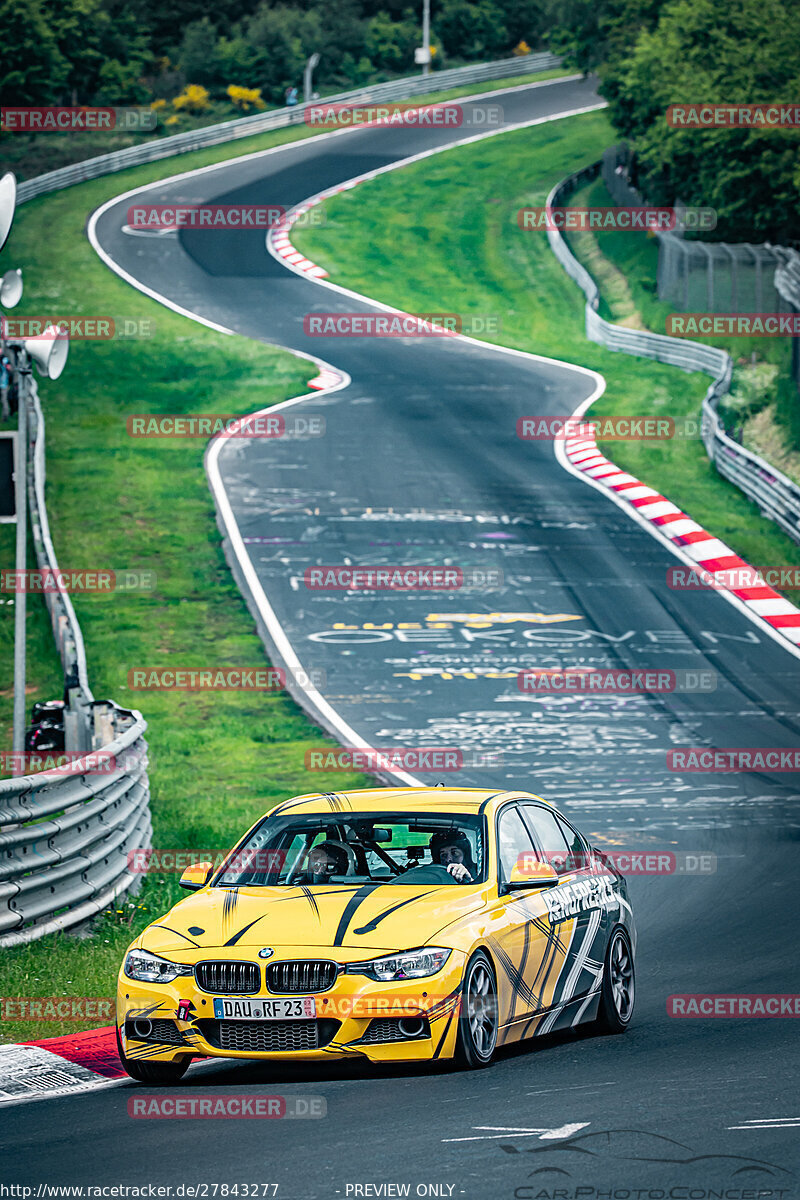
[{"x": 49, "y": 350}]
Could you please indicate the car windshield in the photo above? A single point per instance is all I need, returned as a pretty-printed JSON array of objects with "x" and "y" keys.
[{"x": 339, "y": 850}]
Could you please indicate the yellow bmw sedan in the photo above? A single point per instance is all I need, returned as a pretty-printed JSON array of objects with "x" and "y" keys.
[{"x": 394, "y": 925}]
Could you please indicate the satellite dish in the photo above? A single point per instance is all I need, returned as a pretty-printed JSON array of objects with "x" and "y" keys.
[
  {"x": 11, "y": 288},
  {"x": 8, "y": 202}
]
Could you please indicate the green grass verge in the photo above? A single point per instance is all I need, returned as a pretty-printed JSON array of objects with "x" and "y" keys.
[
  {"x": 218, "y": 760},
  {"x": 448, "y": 241}
]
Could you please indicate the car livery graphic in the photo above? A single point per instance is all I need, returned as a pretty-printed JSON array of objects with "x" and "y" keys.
[{"x": 393, "y": 925}]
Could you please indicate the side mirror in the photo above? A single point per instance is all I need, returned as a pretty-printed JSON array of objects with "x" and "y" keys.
[
  {"x": 196, "y": 876},
  {"x": 531, "y": 872}
]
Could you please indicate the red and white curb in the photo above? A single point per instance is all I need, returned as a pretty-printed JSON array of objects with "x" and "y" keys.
[
  {"x": 278, "y": 240},
  {"x": 61, "y": 1066},
  {"x": 581, "y": 453},
  {"x": 327, "y": 378},
  {"x": 705, "y": 550},
  {"x": 284, "y": 249},
  {"x": 280, "y": 243}
]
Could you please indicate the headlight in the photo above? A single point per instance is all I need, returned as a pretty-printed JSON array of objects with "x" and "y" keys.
[
  {"x": 411, "y": 964},
  {"x": 149, "y": 968}
]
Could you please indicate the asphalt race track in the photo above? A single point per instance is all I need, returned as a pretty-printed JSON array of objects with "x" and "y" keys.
[{"x": 420, "y": 464}]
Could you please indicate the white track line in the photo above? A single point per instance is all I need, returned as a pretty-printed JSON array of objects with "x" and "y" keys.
[
  {"x": 765, "y": 611},
  {"x": 330, "y": 717}
]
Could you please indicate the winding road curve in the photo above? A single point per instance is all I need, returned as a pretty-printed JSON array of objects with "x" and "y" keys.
[{"x": 420, "y": 464}]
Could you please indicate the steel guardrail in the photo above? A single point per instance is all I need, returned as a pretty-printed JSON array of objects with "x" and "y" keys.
[
  {"x": 66, "y": 630},
  {"x": 280, "y": 118},
  {"x": 65, "y": 834},
  {"x": 65, "y": 838},
  {"x": 777, "y": 496}
]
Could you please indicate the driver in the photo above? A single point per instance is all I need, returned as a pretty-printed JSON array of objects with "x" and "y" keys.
[
  {"x": 451, "y": 849},
  {"x": 325, "y": 860}
]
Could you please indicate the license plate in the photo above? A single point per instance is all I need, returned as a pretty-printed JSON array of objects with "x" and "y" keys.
[{"x": 287, "y": 1008}]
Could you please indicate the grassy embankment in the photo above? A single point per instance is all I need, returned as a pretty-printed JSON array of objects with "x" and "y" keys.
[{"x": 456, "y": 214}]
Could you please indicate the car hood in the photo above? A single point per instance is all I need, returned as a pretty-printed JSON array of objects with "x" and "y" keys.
[{"x": 367, "y": 917}]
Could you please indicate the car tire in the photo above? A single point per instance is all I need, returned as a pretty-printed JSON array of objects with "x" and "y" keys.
[
  {"x": 478, "y": 1020},
  {"x": 618, "y": 990},
  {"x": 158, "y": 1073}
]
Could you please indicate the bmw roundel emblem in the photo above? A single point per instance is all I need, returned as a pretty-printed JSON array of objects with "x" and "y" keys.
[{"x": 267, "y": 952}]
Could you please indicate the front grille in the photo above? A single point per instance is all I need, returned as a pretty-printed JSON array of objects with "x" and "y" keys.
[
  {"x": 240, "y": 978},
  {"x": 261, "y": 1037},
  {"x": 302, "y": 976},
  {"x": 162, "y": 1031},
  {"x": 387, "y": 1029}
]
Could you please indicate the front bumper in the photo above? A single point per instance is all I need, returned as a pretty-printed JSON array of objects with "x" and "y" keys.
[{"x": 356, "y": 1018}]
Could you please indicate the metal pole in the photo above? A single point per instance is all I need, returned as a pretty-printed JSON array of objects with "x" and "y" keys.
[
  {"x": 23, "y": 375},
  {"x": 311, "y": 63},
  {"x": 426, "y": 35}
]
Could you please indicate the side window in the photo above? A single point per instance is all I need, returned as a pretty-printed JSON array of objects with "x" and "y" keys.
[
  {"x": 513, "y": 839},
  {"x": 578, "y": 847},
  {"x": 551, "y": 844}
]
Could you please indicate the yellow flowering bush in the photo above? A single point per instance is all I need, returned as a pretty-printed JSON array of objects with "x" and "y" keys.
[
  {"x": 521, "y": 48},
  {"x": 193, "y": 98},
  {"x": 245, "y": 98}
]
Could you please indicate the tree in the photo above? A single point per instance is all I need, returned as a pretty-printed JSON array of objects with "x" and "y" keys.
[
  {"x": 269, "y": 50},
  {"x": 715, "y": 51},
  {"x": 471, "y": 30},
  {"x": 105, "y": 50},
  {"x": 198, "y": 57},
  {"x": 390, "y": 44},
  {"x": 525, "y": 20},
  {"x": 32, "y": 68}
]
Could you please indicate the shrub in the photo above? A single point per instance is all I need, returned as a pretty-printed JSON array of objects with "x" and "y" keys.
[
  {"x": 245, "y": 98},
  {"x": 193, "y": 98}
]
